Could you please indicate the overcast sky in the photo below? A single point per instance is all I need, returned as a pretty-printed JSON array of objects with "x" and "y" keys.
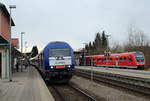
[{"x": 77, "y": 21}]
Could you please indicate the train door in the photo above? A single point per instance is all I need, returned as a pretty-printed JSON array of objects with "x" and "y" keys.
[
  {"x": 0, "y": 65},
  {"x": 90, "y": 62},
  {"x": 130, "y": 60},
  {"x": 121, "y": 61},
  {"x": 125, "y": 61},
  {"x": 117, "y": 59}
]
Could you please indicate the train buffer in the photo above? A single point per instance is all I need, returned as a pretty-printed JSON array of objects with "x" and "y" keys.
[{"x": 26, "y": 86}]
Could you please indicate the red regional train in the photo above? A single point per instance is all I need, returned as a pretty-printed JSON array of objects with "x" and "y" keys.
[{"x": 121, "y": 60}]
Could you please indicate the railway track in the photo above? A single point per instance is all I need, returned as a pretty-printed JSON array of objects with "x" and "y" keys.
[
  {"x": 139, "y": 85},
  {"x": 66, "y": 92}
]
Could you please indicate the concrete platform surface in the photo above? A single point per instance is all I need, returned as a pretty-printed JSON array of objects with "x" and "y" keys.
[
  {"x": 126, "y": 72},
  {"x": 26, "y": 86}
]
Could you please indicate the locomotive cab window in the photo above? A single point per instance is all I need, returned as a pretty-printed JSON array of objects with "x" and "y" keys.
[
  {"x": 139, "y": 57},
  {"x": 59, "y": 52}
]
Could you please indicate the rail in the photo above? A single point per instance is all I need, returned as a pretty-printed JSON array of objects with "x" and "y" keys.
[
  {"x": 67, "y": 92},
  {"x": 141, "y": 85}
]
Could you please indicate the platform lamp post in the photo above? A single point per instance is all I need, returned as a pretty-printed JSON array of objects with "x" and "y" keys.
[
  {"x": 84, "y": 51},
  {"x": 10, "y": 68},
  {"x": 107, "y": 36},
  {"x": 25, "y": 46},
  {"x": 108, "y": 51},
  {"x": 22, "y": 47},
  {"x": 25, "y": 49}
]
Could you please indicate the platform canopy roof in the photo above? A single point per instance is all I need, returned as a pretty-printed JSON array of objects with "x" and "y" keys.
[
  {"x": 3, "y": 40},
  {"x": 4, "y": 9}
]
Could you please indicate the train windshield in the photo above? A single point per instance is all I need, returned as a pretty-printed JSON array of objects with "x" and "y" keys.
[
  {"x": 59, "y": 52},
  {"x": 139, "y": 57}
]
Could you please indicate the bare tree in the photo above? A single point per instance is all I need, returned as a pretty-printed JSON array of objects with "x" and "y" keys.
[
  {"x": 117, "y": 47},
  {"x": 136, "y": 37},
  {"x": 138, "y": 41}
]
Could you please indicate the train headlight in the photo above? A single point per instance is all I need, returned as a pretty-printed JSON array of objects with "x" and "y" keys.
[
  {"x": 69, "y": 66},
  {"x": 52, "y": 67}
]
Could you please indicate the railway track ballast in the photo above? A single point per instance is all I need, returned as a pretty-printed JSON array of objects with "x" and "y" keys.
[{"x": 140, "y": 85}]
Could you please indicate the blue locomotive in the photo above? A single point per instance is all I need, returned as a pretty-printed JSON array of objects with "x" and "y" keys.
[{"x": 56, "y": 62}]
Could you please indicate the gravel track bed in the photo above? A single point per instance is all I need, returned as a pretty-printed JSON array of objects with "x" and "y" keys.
[
  {"x": 64, "y": 92},
  {"x": 105, "y": 92}
]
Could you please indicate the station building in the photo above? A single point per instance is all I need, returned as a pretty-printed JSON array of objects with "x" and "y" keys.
[{"x": 4, "y": 40}]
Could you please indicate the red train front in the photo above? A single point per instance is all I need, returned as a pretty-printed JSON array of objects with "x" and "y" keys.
[{"x": 122, "y": 60}]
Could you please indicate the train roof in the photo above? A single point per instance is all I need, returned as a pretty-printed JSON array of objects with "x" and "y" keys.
[
  {"x": 126, "y": 53},
  {"x": 116, "y": 54},
  {"x": 56, "y": 42}
]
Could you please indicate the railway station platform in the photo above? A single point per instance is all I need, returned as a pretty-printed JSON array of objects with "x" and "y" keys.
[
  {"x": 26, "y": 86},
  {"x": 126, "y": 72}
]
